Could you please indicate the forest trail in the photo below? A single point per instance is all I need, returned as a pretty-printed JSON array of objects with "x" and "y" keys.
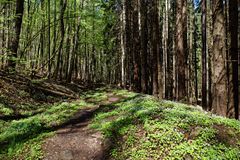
[
  {"x": 77, "y": 141},
  {"x": 104, "y": 122}
]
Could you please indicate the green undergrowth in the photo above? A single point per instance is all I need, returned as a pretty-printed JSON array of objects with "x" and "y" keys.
[
  {"x": 5, "y": 110},
  {"x": 142, "y": 127},
  {"x": 21, "y": 139},
  {"x": 23, "y": 109},
  {"x": 96, "y": 96}
]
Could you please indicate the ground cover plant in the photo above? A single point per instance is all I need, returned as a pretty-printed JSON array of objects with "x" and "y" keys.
[{"x": 145, "y": 128}]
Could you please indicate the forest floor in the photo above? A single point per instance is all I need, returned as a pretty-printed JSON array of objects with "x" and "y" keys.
[
  {"x": 78, "y": 141},
  {"x": 40, "y": 119}
]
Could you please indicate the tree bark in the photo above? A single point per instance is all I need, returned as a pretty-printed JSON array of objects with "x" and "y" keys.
[
  {"x": 123, "y": 46},
  {"x": 181, "y": 49},
  {"x": 219, "y": 88},
  {"x": 233, "y": 110},
  {"x": 49, "y": 40},
  {"x": 204, "y": 56},
  {"x": 155, "y": 47},
  {"x": 144, "y": 43},
  {"x": 13, "y": 48},
  {"x": 63, "y": 5},
  {"x": 136, "y": 48}
]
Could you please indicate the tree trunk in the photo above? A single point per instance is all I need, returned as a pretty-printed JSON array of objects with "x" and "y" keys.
[
  {"x": 144, "y": 43},
  {"x": 219, "y": 88},
  {"x": 13, "y": 48},
  {"x": 181, "y": 49},
  {"x": 63, "y": 5},
  {"x": 195, "y": 58},
  {"x": 155, "y": 47},
  {"x": 204, "y": 56},
  {"x": 49, "y": 39},
  {"x": 233, "y": 110},
  {"x": 128, "y": 39},
  {"x": 3, "y": 49},
  {"x": 123, "y": 47},
  {"x": 210, "y": 52},
  {"x": 136, "y": 48}
]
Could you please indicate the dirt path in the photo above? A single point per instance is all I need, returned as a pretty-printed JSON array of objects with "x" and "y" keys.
[{"x": 77, "y": 141}]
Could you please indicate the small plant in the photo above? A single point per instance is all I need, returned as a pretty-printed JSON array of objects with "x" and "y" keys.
[{"x": 5, "y": 111}]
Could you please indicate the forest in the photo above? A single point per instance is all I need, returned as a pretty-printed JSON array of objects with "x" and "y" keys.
[{"x": 119, "y": 79}]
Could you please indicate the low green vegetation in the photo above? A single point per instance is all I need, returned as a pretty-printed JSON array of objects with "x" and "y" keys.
[
  {"x": 23, "y": 138},
  {"x": 140, "y": 127},
  {"x": 145, "y": 128},
  {"x": 5, "y": 110},
  {"x": 96, "y": 96}
]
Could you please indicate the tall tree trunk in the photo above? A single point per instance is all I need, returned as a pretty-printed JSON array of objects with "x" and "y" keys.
[
  {"x": 49, "y": 39},
  {"x": 168, "y": 89},
  {"x": 144, "y": 43},
  {"x": 136, "y": 48},
  {"x": 123, "y": 46},
  {"x": 204, "y": 55},
  {"x": 63, "y": 5},
  {"x": 195, "y": 58},
  {"x": 13, "y": 48},
  {"x": 155, "y": 47},
  {"x": 75, "y": 46},
  {"x": 54, "y": 29},
  {"x": 219, "y": 103},
  {"x": 233, "y": 110},
  {"x": 210, "y": 52},
  {"x": 191, "y": 75},
  {"x": 181, "y": 49},
  {"x": 3, "y": 49},
  {"x": 42, "y": 37},
  {"x": 128, "y": 38}
]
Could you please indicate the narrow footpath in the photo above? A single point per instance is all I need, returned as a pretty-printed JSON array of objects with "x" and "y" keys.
[{"x": 76, "y": 140}]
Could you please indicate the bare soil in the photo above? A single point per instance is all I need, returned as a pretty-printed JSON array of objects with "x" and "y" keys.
[
  {"x": 77, "y": 141},
  {"x": 227, "y": 135}
]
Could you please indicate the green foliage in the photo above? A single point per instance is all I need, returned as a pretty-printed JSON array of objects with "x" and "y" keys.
[
  {"x": 24, "y": 137},
  {"x": 153, "y": 129},
  {"x": 29, "y": 150},
  {"x": 96, "y": 97},
  {"x": 5, "y": 110},
  {"x": 141, "y": 127}
]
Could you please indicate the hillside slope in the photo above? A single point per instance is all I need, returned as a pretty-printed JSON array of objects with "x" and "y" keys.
[
  {"x": 145, "y": 128},
  {"x": 137, "y": 126}
]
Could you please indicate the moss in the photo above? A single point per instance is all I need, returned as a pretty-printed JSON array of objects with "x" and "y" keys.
[
  {"x": 166, "y": 130},
  {"x": 25, "y": 136},
  {"x": 141, "y": 127}
]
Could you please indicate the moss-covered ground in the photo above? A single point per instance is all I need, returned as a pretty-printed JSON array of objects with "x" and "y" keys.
[
  {"x": 140, "y": 127},
  {"x": 143, "y": 128}
]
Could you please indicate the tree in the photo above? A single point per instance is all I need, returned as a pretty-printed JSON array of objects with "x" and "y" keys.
[
  {"x": 144, "y": 43},
  {"x": 155, "y": 46},
  {"x": 219, "y": 79},
  {"x": 181, "y": 49},
  {"x": 63, "y": 5},
  {"x": 49, "y": 39},
  {"x": 204, "y": 55},
  {"x": 136, "y": 48},
  {"x": 13, "y": 48},
  {"x": 123, "y": 46},
  {"x": 127, "y": 4},
  {"x": 233, "y": 86}
]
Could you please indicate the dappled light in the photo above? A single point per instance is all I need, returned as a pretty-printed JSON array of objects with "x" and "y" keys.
[{"x": 119, "y": 80}]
